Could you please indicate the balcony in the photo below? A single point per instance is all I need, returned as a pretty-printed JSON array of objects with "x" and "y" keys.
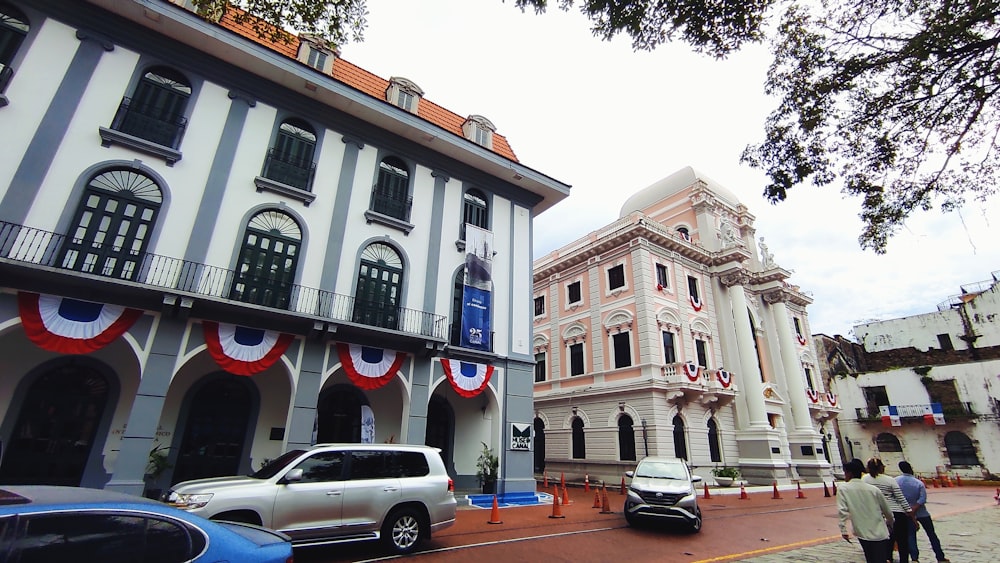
[
  {"x": 6, "y": 73},
  {"x": 706, "y": 388},
  {"x": 288, "y": 176},
  {"x": 388, "y": 209},
  {"x": 146, "y": 129},
  {"x": 915, "y": 413},
  {"x": 36, "y": 250}
]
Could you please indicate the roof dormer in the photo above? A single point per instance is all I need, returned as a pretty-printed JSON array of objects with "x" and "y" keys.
[
  {"x": 315, "y": 52},
  {"x": 404, "y": 93},
  {"x": 479, "y": 130}
]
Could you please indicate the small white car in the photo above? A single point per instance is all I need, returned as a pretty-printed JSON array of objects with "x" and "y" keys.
[
  {"x": 662, "y": 490},
  {"x": 333, "y": 493}
]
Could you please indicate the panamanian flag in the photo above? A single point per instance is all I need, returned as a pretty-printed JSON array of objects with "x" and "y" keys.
[
  {"x": 467, "y": 379},
  {"x": 933, "y": 414},
  {"x": 890, "y": 415},
  {"x": 244, "y": 351},
  {"x": 72, "y": 326},
  {"x": 368, "y": 367}
]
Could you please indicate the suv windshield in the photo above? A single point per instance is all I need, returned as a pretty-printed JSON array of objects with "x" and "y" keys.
[
  {"x": 659, "y": 470},
  {"x": 273, "y": 467}
]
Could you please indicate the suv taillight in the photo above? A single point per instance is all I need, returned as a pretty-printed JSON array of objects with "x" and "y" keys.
[{"x": 451, "y": 486}]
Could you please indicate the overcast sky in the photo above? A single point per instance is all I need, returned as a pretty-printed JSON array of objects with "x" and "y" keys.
[{"x": 610, "y": 121}]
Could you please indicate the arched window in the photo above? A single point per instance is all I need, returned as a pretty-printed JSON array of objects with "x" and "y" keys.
[
  {"x": 377, "y": 298},
  {"x": 391, "y": 196},
  {"x": 684, "y": 233},
  {"x": 220, "y": 416},
  {"x": 290, "y": 160},
  {"x": 714, "y": 447},
  {"x": 886, "y": 442},
  {"x": 265, "y": 272},
  {"x": 155, "y": 112},
  {"x": 539, "y": 445},
  {"x": 13, "y": 29},
  {"x": 475, "y": 211},
  {"x": 961, "y": 450},
  {"x": 680, "y": 443},
  {"x": 441, "y": 429},
  {"x": 579, "y": 445},
  {"x": 112, "y": 224},
  {"x": 626, "y": 438}
]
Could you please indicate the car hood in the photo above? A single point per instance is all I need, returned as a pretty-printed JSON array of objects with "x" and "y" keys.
[
  {"x": 214, "y": 484},
  {"x": 662, "y": 485}
]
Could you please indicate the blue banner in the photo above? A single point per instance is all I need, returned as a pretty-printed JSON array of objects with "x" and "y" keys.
[{"x": 475, "y": 318}]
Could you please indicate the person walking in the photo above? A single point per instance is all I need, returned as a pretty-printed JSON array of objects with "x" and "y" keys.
[
  {"x": 868, "y": 511},
  {"x": 916, "y": 494},
  {"x": 902, "y": 514}
]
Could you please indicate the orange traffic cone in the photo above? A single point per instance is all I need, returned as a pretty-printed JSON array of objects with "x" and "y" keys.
[
  {"x": 776, "y": 494},
  {"x": 495, "y": 513},
  {"x": 597, "y": 499},
  {"x": 606, "y": 506},
  {"x": 556, "y": 512},
  {"x": 935, "y": 481},
  {"x": 545, "y": 483},
  {"x": 743, "y": 492},
  {"x": 586, "y": 483},
  {"x": 622, "y": 490},
  {"x": 562, "y": 480},
  {"x": 826, "y": 490},
  {"x": 565, "y": 498},
  {"x": 800, "y": 493},
  {"x": 958, "y": 480},
  {"x": 707, "y": 494}
]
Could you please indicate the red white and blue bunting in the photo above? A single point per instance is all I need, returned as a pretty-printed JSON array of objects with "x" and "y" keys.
[
  {"x": 695, "y": 302},
  {"x": 368, "y": 367},
  {"x": 71, "y": 326},
  {"x": 467, "y": 379},
  {"x": 244, "y": 351},
  {"x": 725, "y": 378},
  {"x": 831, "y": 398},
  {"x": 692, "y": 371},
  {"x": 801, "y": 339},
  {"x": 813, "y": 396}
]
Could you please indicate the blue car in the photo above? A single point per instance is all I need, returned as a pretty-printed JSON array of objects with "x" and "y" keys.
[{"x": 47, "y": 524}]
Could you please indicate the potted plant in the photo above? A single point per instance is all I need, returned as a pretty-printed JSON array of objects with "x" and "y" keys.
[
  {"x": 487, "y": 467},
  {"x": 158, "y": 463},
  {"x": 725, "y": 476}
]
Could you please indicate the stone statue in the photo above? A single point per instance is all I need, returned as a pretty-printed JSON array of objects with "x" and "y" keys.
[
  {"x": 727, "y": 234},
  {"x": 766, "y": 258}
]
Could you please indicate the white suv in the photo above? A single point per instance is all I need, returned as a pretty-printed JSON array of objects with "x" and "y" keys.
[{"x": 335, "y": 493}]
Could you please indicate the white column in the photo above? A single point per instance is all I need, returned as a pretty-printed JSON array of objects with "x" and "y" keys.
[
  {"x": 749, "y": 375},
  {"x": 790, "y": 363}
]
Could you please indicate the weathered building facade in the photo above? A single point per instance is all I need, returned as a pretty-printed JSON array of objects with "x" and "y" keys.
[
  {"x": 927, "y": 389},
  {"x": 214, "y": 248},
  {"x": 672, "y": 332}
]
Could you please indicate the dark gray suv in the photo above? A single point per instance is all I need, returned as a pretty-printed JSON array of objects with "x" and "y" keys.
[
  {"x": 334, "y": 493},
  {"x": 662, "y": 490}
]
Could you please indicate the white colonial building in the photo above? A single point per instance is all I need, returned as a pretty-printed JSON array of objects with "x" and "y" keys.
[
  {"x": 672, "y": 332},
  {"x": 215, "y": 248},
  {"x": 928, "y": 388}
]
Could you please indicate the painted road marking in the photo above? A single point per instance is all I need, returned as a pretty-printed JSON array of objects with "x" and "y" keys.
[
  {"x": 784, "y": 547},
  {"x": 484, "y": 544}
]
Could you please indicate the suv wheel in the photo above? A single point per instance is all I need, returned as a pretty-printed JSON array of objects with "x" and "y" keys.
[{"x": 401, "y": 530}]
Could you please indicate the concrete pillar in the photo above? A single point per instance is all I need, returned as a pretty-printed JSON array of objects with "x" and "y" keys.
[
  {"x": 749, "y": 373},
  {"x": 307, "y": 388},
  {"x": 790, "y": 362}
]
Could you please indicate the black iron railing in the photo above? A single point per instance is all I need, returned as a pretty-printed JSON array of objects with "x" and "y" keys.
[
  {"x": 42, "y": 248},
  {"x": 388, "y": 203},
  {"x": 6, "y": 73},
  {"x": 149, "y": 123},
  {"x": 289, "y": 170}
]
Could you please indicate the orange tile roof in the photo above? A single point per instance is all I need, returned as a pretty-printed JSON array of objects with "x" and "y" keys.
[{"x": 364, "y": 81}]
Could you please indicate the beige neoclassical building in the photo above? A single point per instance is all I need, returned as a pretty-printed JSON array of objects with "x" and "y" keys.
[{"x": 672, "y": 331}]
